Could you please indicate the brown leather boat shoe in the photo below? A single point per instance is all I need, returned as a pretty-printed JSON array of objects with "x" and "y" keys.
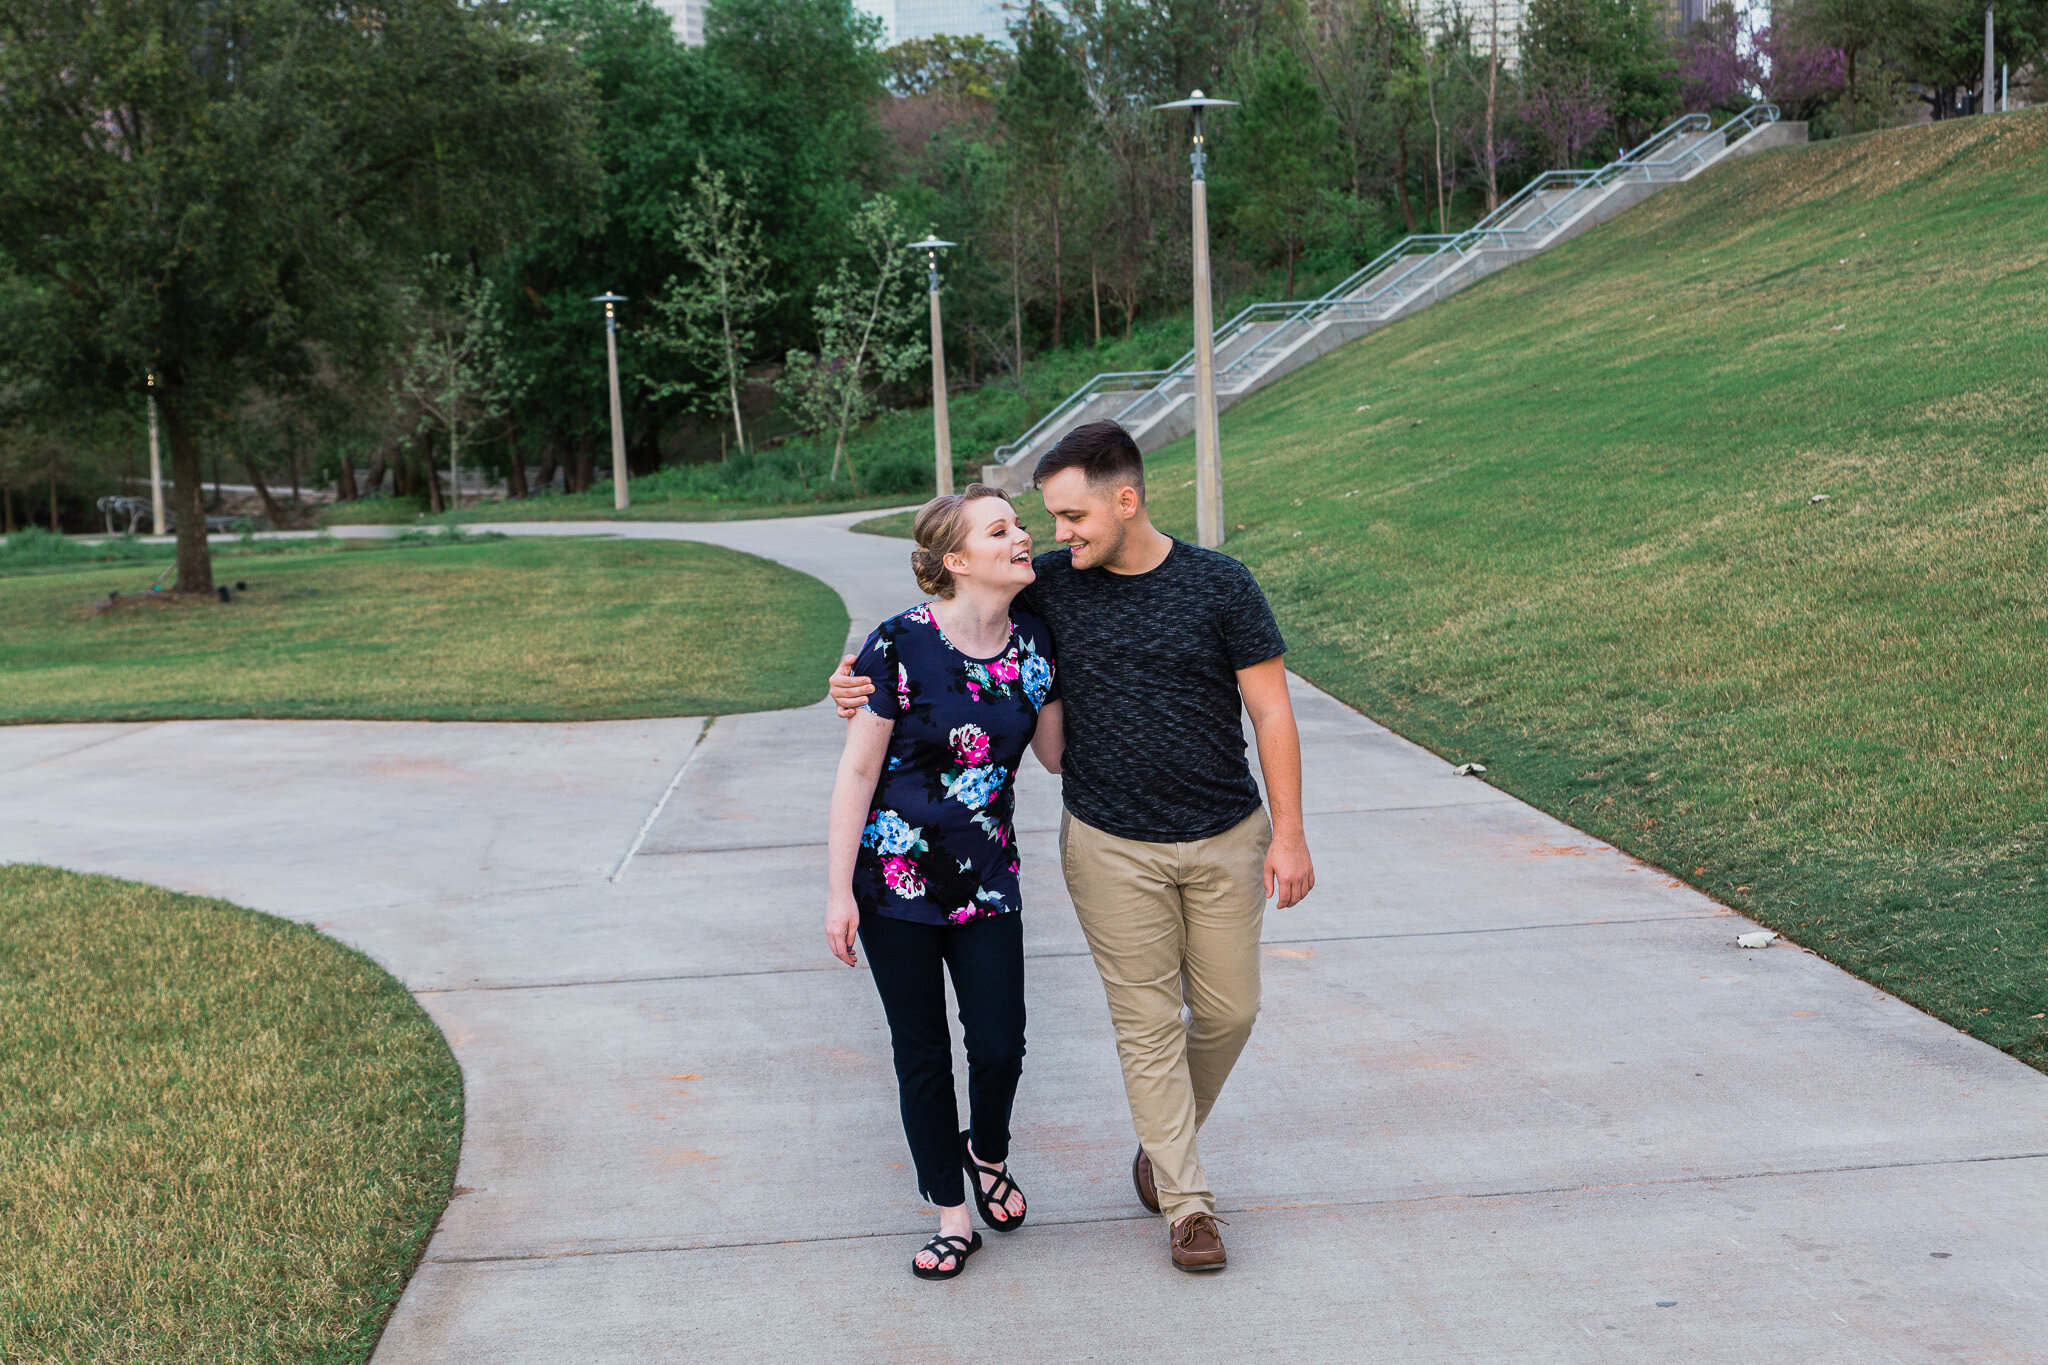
[
  {"x": 1197, "y": 1244},
  {"x": 1141, "y": 1176}
]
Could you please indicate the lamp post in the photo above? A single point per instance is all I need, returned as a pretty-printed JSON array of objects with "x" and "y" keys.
[
  {"x": 156, "y": 467},
  {"x": 621, "y": 499},
  {"x": 942, "y": 431},
  {"x": 1989, "y": 103},
  {"x": 1208, "y": 455}
]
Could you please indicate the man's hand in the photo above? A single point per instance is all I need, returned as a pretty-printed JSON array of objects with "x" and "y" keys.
[
  {"x": 1289, "y": 873},
  {"x": 849, "y": 690}
]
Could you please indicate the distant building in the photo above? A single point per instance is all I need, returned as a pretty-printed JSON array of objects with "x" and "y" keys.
[
  {"x": 1482, "y": 16},
  {"x": 688, "y": 18},
  {"x": 903, "y": 20}
]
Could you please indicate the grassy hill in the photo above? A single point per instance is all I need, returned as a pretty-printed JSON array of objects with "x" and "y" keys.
[{"x": 1567, "y": 523}]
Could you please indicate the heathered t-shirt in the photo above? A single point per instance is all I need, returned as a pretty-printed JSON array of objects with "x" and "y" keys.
[{"x": 1148, "y": 665}]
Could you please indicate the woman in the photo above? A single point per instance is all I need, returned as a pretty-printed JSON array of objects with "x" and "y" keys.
[{"x": 924, "y": 857}]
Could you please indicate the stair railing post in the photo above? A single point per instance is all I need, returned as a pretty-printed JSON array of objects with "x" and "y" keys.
[{"x": 1208, "y": 445}]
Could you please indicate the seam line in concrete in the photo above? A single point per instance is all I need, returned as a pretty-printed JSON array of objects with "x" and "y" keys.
[
  {"x": 661, "y": 805},
  {"x": 141, "y": 729},
  {"x": 1851, "y": 1169},
  {"x": 1504, "y": 800},
  {"x": 1048, "y": 957}
]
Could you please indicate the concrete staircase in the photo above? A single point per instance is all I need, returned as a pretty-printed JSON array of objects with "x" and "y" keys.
[{"x": 1268, "y": 340}]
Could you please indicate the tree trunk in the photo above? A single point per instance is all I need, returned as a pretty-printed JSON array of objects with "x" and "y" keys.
[
  {"x": 271, "y": 510},
  {"x": 55, "y": 528},
  {"x": 732, "y": 391},
  {"x": 345, "y": 481},
  {"x": 1095, "y": 292},
  {"x": 1492, "y": 83},
  {"x": 1017, "y": 309},
  {"x": 586, "y": 466},
  {"x": 188, "y": 497},
  {"x": 433, "y": 477},
  {"x": 1059, "y": 290},
  {"x": 297, "y": 499},
  {"x": 515, "y": 472},
  {"x": 546, "y": 477},
  {"x": 1401, "y": 178}
]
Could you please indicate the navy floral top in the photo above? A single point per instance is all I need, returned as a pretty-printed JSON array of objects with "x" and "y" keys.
[{"x": 940, "y": 846}]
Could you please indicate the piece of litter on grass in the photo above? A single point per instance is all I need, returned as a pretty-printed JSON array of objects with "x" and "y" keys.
[
  {"x": 1820, "y": 497},
  {"x": 1468, "y": 769},
  {"x": 1762, "y": 938},
  {"x": 1838, "y": 327}
]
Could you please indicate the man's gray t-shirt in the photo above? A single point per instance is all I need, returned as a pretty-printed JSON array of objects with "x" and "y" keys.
[{"x": 1148, "y": 666}]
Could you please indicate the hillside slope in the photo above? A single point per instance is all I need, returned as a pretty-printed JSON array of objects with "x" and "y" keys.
[{"x": 1565, "y": 523}]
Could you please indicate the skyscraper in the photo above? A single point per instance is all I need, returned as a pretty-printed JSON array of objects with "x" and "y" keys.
[
  {"x": 688, "y": 18},
  {"x": 903, "y": 20}
]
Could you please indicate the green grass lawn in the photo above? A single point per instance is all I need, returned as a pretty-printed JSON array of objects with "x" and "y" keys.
[
  {"x": 478, "y": 629},
  {"x": 893, "y": 524},
  {"x": 592, "y": 506},
  {"x": 223, "y": 1136},
  {"x": 1563, "y": 523}
]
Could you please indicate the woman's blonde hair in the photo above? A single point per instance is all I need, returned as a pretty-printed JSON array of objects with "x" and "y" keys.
[{"x": 940, "y": 530}]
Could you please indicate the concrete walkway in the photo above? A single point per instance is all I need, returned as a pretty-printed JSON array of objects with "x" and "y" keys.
[{"x": 1514, "y": 1097}]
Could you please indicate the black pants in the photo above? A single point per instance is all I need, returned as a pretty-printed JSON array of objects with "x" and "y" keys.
[{"x": 986, "y": 957}]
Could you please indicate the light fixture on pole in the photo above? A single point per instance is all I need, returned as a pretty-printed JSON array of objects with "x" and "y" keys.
[
  {"x": 620, "y": 498},
  {"x": 1208, "y": 456},
  {"x": 156, "y": 467},
  {"x": 942, "y": 431}
]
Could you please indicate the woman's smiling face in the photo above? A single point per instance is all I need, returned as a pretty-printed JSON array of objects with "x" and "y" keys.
[{"x": 997, "y": 550}]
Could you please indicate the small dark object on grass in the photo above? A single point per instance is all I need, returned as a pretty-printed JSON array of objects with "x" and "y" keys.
[
  {"x": 240, "y": 586},
  {"x": 223, "y": 591},
  {"x": 113, "y": 594}
]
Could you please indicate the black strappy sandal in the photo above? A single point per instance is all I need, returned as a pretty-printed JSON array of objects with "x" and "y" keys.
[
  {"x": 991, "y": 1200},
  {"x": 941, "y": 1247}
]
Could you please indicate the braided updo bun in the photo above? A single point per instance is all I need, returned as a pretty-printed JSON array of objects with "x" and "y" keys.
[{"x": 940, "y": 530}]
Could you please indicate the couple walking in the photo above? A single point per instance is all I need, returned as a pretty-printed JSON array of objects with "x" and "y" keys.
[{"x": 1122, "y": 660}]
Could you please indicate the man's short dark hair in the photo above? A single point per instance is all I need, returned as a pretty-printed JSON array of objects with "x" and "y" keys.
[{"x": 1103, "y": 451}]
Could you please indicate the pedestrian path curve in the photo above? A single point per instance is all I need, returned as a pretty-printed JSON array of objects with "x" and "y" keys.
[{"x": 1513, "y": 1097}]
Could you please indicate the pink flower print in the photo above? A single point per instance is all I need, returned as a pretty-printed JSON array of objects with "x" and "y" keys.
[
  {"x": 1003, "y": 670},
  {"x": 901, "y": 875},
  {"x": 902, "y": 687},
  {"x": 962, "y": 915},
  {"x": 974, "y": 689},
  {"x": 970, "y": 746},
  {"x": 1013, "y": 866},
  {"x": 921, "y": 613}
]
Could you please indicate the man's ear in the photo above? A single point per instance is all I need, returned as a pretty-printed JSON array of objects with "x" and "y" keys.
[{"x": 1128, "y": 502}]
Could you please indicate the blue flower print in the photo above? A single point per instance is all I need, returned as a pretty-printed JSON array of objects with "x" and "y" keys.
[
  {"x": 888, "y": 833},
  {"x": 972, "y": 787},
  {"x": 1037, "y": 678}
]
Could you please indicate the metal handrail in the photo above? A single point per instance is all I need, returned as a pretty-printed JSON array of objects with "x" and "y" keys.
[{"x": 1649, "y": 161}]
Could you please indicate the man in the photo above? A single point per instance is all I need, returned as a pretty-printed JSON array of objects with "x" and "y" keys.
[{"x": 1167, "y": 854}]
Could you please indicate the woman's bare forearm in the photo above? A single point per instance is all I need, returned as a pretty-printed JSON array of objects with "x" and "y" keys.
[
  {"x": 1049, "y": 740},
  {"x": 860, "y": 765}
]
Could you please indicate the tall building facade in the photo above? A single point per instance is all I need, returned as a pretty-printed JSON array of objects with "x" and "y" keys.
[
  {"x": 688, "y": 18},
  {"x": 903, "y": 20}
]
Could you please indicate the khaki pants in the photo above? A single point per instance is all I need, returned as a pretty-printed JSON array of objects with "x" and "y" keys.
[{"x": 1173, "y": 924}]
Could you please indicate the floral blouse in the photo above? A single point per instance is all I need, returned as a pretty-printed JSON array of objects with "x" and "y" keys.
[{"x": 940, "y": 845}]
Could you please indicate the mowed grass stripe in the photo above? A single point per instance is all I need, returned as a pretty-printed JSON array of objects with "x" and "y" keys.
[
  {"x": 1562, "y": 523},
  {"x": 224, "y": 1138},
  {"x": 478, "y": 630}
]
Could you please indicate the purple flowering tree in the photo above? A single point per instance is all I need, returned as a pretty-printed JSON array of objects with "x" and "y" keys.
[{"x": 1566, "y": 111}]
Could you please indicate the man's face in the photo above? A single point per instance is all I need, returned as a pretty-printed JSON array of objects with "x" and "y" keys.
[{"x": 1091, "y": 521}]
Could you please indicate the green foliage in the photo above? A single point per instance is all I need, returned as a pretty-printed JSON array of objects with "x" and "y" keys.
[
  {"x": 222, "y": 190},
  {"x": 709, "y": 321},
  {"x": 453, "y": 370},
  {"x": 1283, "y": 160},
  {"x": 868, "y": 333},
  {"x": 1615, "y": 47}
]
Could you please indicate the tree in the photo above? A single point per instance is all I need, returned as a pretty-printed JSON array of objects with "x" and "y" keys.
[
  {"x": 453, "y": 370},
  {"x": 1280, "y": 149},
  {"x": 868, "y": 318},
  {"x": 219, "y": 190},
  {"x": 1046, "y": 114},
  {"x": 1614, "y": 50},
  {"x": 709, "y": 323}
]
